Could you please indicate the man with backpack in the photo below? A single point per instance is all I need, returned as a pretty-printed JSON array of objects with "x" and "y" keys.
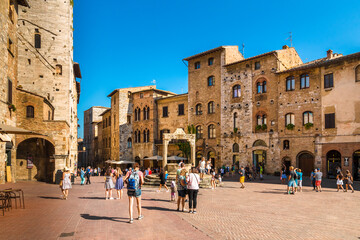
[{"x": 135, "y": 179}]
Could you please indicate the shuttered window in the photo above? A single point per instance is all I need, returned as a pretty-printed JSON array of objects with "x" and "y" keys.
[
  {"x": 330, "y": 120},
  {"x": 30, "y": 112},
  {"x": 328, "y": 81},
  {"x": 181, "y": 109}
]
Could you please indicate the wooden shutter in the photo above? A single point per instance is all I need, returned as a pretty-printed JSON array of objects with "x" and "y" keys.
[{"x": 330, "y": 120}]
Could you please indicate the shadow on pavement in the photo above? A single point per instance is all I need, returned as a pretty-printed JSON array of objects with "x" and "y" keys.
[
  {"x": 159, "y": 209},
  {"x": 92, "y": 217},
  {"x": 97, "y": 198},
  {"x": 54, "y": 198},
  {"x": 153, "y": 199}
]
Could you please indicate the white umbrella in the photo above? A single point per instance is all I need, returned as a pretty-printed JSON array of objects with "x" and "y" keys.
[
  {"x": 123, "y": 162},
  {"x": 156, "y": 157},
  {"x": 176, "y": 158}
]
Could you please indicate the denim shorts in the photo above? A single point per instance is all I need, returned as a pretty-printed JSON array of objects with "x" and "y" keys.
[
  {"x": 134, "y": 193},
  {"x": 182, "y": 193},
  {"x": 292, "y": 183}
]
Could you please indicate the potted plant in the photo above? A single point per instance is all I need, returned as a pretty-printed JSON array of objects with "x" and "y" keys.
[
  {"x": 12, "y": 107},
  {"x": 308, "y": 125},
  {"x": 235, "y": 130},
  {"x": 258, "y": 127},
  {"x": 290, "y": 126},
  {"x": 264, "y": 127}
]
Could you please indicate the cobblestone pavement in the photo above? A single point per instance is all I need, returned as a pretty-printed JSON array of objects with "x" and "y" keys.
[{"x": 260, "y": 211}]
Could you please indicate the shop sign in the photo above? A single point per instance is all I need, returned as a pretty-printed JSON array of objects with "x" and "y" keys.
[{"x": 30, "y": 163}]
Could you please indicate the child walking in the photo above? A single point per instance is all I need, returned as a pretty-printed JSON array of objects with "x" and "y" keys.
[
  {"x": 119, "y": 184},
  {"x": 348, "y": 181},
  {"x": 339, "y": 181},
  {"x": 109, "y": 184}
]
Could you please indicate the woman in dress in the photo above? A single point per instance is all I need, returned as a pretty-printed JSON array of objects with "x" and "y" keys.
[
  {"x": 348, "y": 181},
  {"x": 66, "y": 182},
  {"x": 109, "y": 184},
  {"x": 119, "y": 184}
]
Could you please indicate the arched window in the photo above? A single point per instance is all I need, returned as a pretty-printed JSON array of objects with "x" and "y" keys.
[
  {"x": 146, "y": 135},
  {"x": 211, "y": 81},
  {"x": 144, "y": 113},
  {"x": 235, "y": 147},
  {"x": 211, "y": 107},
  {"x": 211, "y": 131},
  {"x": 235, "y": 120},
  {"x": 289, "y": 119},
  {"x": 129, "y": 143},
  {"x": 199, "y": 132},
  {"x": 135, "y": 113},
  {"x": 30, "y": 112},
  {"x": 137, "y": 136},
  {"x": 261, "y": 85},
  {"x": 198, "y": 109},
  {"x": 357, "y": 74},
  {"x": 286, "y": 144},
  {"x": 261, "y": 119},
  {"x": 304, "y": 81},
  {"x": 148, "y": 113},
  {"x": 236, "y": 91},
  {"x": 139, "y": 114},
  {"x": 290, "y": 83},
  {"x": 308, "y": 118}
]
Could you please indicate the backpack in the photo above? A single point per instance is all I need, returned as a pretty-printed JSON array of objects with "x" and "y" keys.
[{"x": 134, "y": 180}]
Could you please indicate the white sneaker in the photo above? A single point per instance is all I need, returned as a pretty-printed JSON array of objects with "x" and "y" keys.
[{"x": 111, "y": 198}]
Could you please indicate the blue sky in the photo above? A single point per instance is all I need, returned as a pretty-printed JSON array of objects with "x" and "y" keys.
[{"x": 127, "y": 43}]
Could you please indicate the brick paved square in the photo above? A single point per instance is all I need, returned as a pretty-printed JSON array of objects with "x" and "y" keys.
[{"x": 260, "y": 211}]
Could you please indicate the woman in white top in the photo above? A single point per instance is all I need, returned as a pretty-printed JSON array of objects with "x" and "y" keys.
[
  {"x": 66, "y": 183},
  {"x": 193, "y": 181}
]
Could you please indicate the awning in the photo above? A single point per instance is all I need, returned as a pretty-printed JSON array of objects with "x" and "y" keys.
[
  {"x": 119, "y": 162},
  {"x": 176, "y": 158},
  {"x": 156, "y": 157},
  {"x": 15, "y": 130}
]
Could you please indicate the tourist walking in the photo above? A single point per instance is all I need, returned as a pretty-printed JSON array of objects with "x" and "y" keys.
[
  {"x": 283, "y": 174},
  {"x": 208, "y": 167},
  {"x": 193, "y": 181},
  {"x": 291, "y": 182},
  {"x": 162, "y": 180},
  {"x": 318, "y": 177},
  {"x": 242, "y": 176},
  {"x": 232, "y": 170},
  {"x": 88, "y": 173},
  {"x": 109, "y": 184},
  {"x": 82, "y": 176},
  {"x": 66, "y": 183},
  {"x": 348, "y": 180},
  {"x": 119, "y": 184},
  {"x": 312, "y": 178},
  {"x": 202, "y": 167},
  {"x": 181, "y": 187},
  {"x": 339, "y": 181},
  {"x": 213, "y": 179},
  {"x": 299, "y": 177},
  {"x": 135, "y": 180},
  {"x": 261, "y": 172}
]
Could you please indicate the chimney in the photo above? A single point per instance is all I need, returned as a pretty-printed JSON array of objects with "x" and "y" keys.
[
  {"x": 329, "y": 54},
  {"x": 285, "y": 47}
]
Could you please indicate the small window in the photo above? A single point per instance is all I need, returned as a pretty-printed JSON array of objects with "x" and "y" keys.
[
  {"x": 304, "y": 81},
  {"x": 197, "y": 65},
  {"x": 10, "y": 90},
  {"x": 236, "y": 91},
  {"x": 261, "y": 119},
  {"x": 109, "y": 120},
  {"x": 211, "y": 131},
  {"x": 211, "y": 81},
  {"x": 308, "y": 118},
  {"x": 129, "y": 143},
  {"x": 141, "y": 95},
  {"x": 290, "y": 83},
  {"x": 165, "y": 112},
  {"x": 211, "y": 107},
  {"x": 58, "y": 69},
  {"x": 235, "y": 120},
  {"x": 129, "y": 119},
  {"x": 181, "y": 109},
  {"x": 235, "y": 147},
  {"x": 30, "y": 112},
  {"x": 357, "y": 74},
  {"x": 199, "y": 132},
  {"x": 286, "y": 144},
  {"x": 210, "y": 61},
  {"x": 330, "y": 120},
  {"x": 328, "y": 81},
  {"x": 257, "y": 65},
  {"x": 198, "y": 110},
  {"x": 289, "y": 119},
  {"x": 37, "y": 39}
]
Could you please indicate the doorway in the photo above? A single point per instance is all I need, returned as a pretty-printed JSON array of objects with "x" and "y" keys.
[
  {"x": 259, "y": 158},
  {"x": 356, "y": 165},
  {"x": 211, "y": 156},
  {"x": 333, "y": 160},
  {"x": 306, "y": 163},
  {"x": 287, "y": 162}
]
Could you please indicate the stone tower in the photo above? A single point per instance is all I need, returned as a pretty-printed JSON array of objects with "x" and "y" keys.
[{"x": 46, "y": 66}]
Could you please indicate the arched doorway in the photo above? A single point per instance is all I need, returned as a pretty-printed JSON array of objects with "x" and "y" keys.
[
  {"x": 356, "y": 165},
  {"x": 333, "y": 160},
  {"x": 306, "y": 162},
  {"x": 211, "y": 156},
  {"x": 35, "y": 160}
]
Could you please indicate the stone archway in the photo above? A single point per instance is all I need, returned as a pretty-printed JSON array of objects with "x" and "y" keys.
[
  {"x": 178, "y": 134},
  {"x": 35, "y": 160}
]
